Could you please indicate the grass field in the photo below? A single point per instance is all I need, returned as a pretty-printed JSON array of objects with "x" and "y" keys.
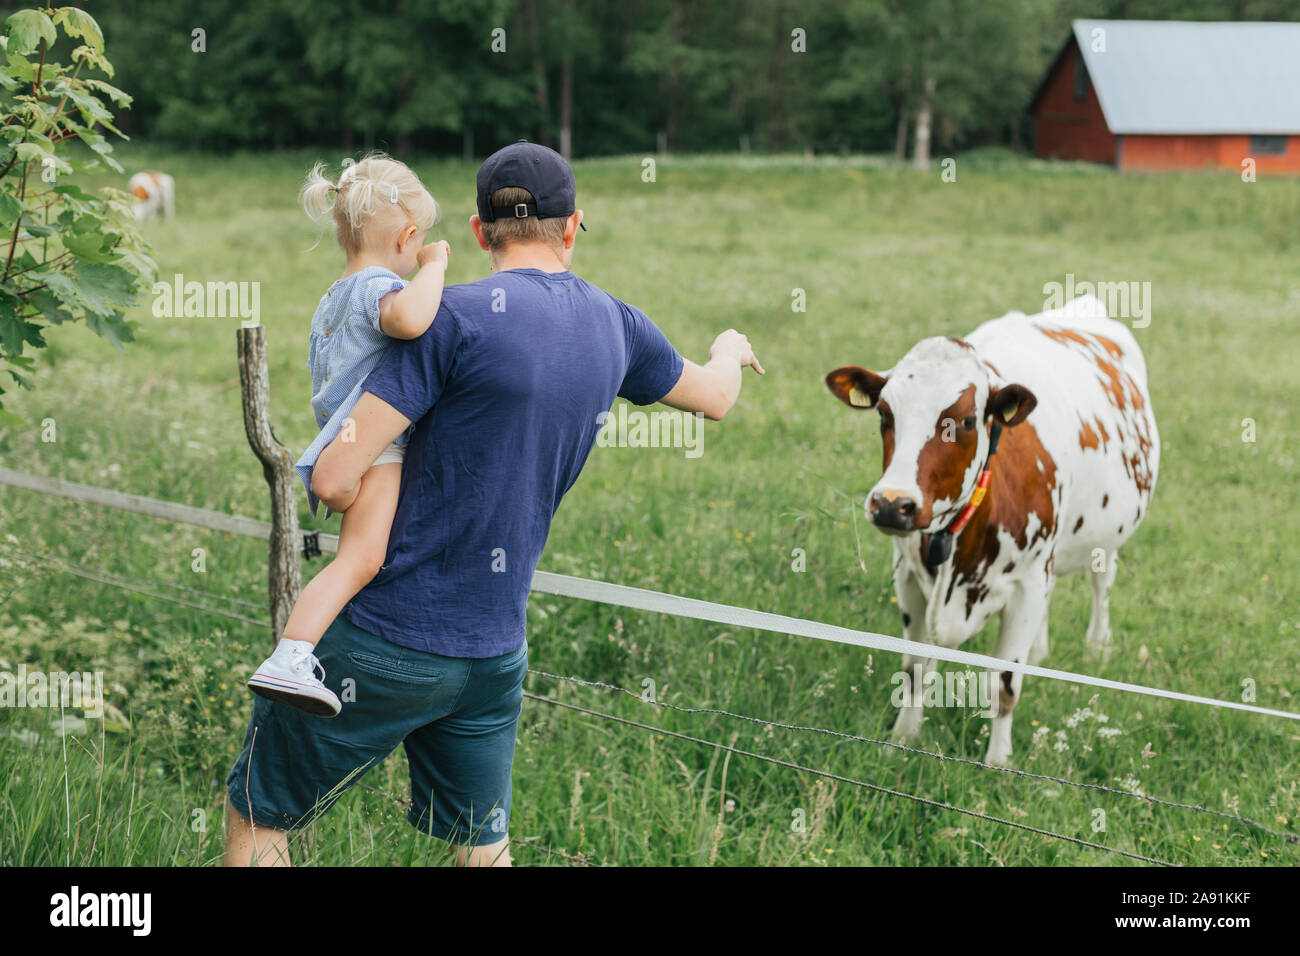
[{"x": 1206, "y": 596}]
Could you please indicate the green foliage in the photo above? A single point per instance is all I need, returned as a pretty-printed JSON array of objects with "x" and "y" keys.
[
  {"x": 68, "y": 254},
  {"x": 354, "y": 74}
]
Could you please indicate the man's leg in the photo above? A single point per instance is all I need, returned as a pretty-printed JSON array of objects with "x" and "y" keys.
[
  {"x": 494, "y": 854},
  {"x": 461, "y": 762},
  {"x": 294, "y": 766},
  {"x": 250, "y": 845}
]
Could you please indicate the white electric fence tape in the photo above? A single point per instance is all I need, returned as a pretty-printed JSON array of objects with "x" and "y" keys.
[{"x": 643, "y": 600}]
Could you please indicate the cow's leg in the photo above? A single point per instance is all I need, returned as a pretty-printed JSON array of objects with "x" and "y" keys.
[
  {"x": 1099, "y": 627},
  {"x": 1023, "y": 623},
  {"x": 911, "y": 602},
  {"x": 1038, "y": 652}
]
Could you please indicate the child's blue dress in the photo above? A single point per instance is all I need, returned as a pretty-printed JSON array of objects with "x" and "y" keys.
[{"x": 346, "y": 343}]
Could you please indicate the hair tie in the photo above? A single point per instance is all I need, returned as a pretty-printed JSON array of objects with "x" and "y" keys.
[{"x": 393, "y": 196}]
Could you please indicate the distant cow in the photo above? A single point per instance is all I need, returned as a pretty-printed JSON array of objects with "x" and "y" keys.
[
  {"x": 1062, "y": 398},
  {"x": 155, "y": 194}
]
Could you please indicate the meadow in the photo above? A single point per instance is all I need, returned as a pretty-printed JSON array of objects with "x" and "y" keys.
[{"x": 1205, "y": 601}]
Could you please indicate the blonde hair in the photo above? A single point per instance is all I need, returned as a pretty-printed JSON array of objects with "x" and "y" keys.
[
  {"x": 375, "y": 191},
  {"x": 507, "y": 229}
]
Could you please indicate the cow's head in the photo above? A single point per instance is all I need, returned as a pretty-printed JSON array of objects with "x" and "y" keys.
[{"x": 936, "y": 408}]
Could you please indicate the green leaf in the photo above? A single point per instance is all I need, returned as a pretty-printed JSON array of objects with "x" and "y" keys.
[
  {"x": 10, "y": 209},
  {"x": 27, "y": 28},
  {"x": 89, "y": 103},
  {"x": 111, "y": 91},
  {"x": 79, "y": 23},
  {"x": 14, "y": 331},
  {"x": 89, "y": 247},
  {"x": 101, "y": 146},
  {"x": 40, "y": 229},
  {"x": 25, "y": 364},
  {"x": 112, "y": 327},
  {"x": 75, "y": 203},
  {"x": 50, "y": 308},
  {"x": 11, "y": 335},
  {"x": 28, "y": 152},
  {"x": 20, "y": 69},
  {"x": 88, "y": 55},
  {"x": 72, "y": 192},
  {"x": 60, "y": 286},
  {"x": 104, "y": 289},
  {"x": 139, "y": 263}
]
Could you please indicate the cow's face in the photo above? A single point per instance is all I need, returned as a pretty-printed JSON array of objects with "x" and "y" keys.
[{"x": 936, "y": 407}]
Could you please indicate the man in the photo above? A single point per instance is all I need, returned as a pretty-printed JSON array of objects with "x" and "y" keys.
[{"x": 507, "y": 389}]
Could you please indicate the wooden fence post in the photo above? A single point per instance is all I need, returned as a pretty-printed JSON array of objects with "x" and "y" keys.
[{"x": 284, "y": 579}]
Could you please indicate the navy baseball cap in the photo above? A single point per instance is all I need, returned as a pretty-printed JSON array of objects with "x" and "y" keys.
[{"x": 524, "y": 165}]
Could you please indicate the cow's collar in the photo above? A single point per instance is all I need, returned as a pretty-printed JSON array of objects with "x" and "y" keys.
[{"x": 940, "y": 549}]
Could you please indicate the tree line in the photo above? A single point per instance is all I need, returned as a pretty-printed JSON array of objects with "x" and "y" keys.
[{"x": 598, "y": 77}]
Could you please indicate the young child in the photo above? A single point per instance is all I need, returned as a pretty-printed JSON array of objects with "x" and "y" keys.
[{"x": 382, "y": 214}]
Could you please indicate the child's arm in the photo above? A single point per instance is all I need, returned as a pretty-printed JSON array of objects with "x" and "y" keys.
[{"x": 409, "y": 313}]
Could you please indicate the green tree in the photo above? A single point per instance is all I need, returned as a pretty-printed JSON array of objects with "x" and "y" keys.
[{"x": 68, "y": 254}]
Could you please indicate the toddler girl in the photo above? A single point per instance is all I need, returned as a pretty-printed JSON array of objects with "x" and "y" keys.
[{"x": 382, "y": 214}]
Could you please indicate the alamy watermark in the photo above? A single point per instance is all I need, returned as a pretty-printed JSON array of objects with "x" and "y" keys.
[
  {"x": 179, "y": 299},
  {"x": 131, "y": 911},
  {"x": 1123, "y": 300},
  {"x": 945, "y": 689},
  {"x": 632, "y": 428},
  {"x": 72, "y": 691}
]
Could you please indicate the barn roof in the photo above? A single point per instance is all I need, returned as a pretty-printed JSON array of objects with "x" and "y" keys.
[{"x": 1169, "y": 76}]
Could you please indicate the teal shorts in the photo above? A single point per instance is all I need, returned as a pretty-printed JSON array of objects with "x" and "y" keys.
[{"x": 456, "y": 717}]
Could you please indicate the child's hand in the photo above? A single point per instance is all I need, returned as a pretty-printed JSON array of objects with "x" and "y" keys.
[{"x": 438, "y": 251}]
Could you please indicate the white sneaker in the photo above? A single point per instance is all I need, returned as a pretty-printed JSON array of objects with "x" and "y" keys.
[{"x": 288, "y": 676}]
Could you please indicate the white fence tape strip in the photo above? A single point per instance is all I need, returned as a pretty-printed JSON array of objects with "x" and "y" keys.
[
  {"x": 643, "y": 600},
  {"x": 167, "y": 510},
  {"x": 621, "y": 595}
]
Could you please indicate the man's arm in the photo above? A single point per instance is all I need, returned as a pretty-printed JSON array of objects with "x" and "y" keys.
[
  {"x": 714, "y": 387},
  {"x": 336, "y": 478}
]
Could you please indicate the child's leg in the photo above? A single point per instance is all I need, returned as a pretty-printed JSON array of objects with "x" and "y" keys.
[{"x": 363, "y": 543}]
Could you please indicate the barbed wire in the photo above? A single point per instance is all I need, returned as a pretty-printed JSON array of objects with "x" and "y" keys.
[
  {"x": 1288, "y": 837},
  {"x": 138, "y": 587},
  {"x": 255, "y": 605},
  {"x": 938, "y": 804}
]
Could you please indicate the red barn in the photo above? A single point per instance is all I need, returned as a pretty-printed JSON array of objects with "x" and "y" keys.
[{"x": 1157, "y": 95}]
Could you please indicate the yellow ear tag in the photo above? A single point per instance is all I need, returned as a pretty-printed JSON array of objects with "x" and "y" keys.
[
  {"x": 858, "y": 398},
  {"x": 1010, "y": 413}
]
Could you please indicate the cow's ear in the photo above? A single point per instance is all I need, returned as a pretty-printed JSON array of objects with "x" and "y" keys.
[
  {"x": 855, "y": 386},
  {"x": 1011, "y": 404}
]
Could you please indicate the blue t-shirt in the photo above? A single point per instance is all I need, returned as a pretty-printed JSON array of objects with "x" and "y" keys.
[{"x": 506, "y": 389}]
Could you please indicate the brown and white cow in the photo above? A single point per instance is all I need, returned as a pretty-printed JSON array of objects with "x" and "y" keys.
[
  {"x": 1072, "y": 477},
  {"x": 155, "y": 194}
]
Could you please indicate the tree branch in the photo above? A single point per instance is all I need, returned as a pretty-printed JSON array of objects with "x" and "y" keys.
[
  {"x": 48, "y": 262},
  {"x": 40, "y": 70},
  {"x": 13, "y": 242}
]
